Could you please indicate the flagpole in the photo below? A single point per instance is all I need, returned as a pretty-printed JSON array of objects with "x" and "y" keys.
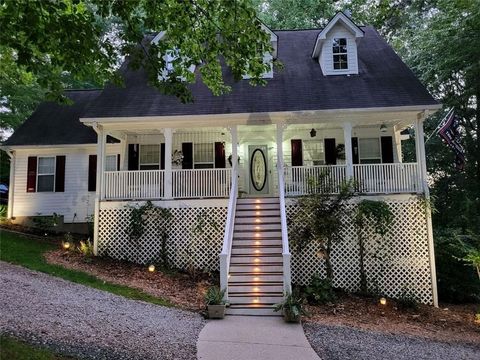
[{"x": 439, "y": 125}]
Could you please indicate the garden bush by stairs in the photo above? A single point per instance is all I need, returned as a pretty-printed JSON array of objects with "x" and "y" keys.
[{"x": 255, "y": 281}]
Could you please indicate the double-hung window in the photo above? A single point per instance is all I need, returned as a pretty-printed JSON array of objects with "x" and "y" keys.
[
  {"x": 203, "y": 156},
  {"x": 313, "y": 152},
  {"x": 340, "y": 56},
  {"x": 46, "y": 174},
  {"x": 149, "y": 157},
  {"x": 370, "y": 152},
  {"x": 111, "y": 163}
]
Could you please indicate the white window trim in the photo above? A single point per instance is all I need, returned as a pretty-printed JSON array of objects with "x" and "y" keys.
[
  {"x": 360, "y": 158},
  {"x": 149, "y": 164},
  {"x": 204, "y": 162},
  {"x": 54, "y": 172},
  {"x": 321, "y": 141},
  {"x": 345, "y": 53}
]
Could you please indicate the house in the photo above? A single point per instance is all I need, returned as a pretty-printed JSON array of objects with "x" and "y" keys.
[{"x": 338, "y": 108}]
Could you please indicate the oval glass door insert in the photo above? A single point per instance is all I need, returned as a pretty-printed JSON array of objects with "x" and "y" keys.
[{"x": 258, "y": 170}]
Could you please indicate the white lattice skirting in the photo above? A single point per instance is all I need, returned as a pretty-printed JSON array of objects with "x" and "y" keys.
[
  {"x": 400, "y": 262},
  {"x": 186, "y": 247}
]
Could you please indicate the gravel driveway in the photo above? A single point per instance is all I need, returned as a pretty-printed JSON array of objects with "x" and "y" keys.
[
  {"x": 89, "y": 323},
  {"x": 339, "y": 342}
]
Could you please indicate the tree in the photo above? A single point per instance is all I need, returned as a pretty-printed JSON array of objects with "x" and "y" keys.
[{"x": 88, "y": 40}]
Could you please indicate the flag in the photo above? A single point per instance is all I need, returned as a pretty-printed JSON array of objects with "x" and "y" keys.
[{"x": 450, "y": 134}]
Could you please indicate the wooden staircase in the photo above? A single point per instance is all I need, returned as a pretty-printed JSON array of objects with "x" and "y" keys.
[{"x": 255, "y": 280}]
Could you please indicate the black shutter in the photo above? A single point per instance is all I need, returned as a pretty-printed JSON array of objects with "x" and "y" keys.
[
  {"x": 133, "y": 156},
  {"x": 187, "y": 150},
  {"x": 31, "y": 174},
  {"x": 118, "y": 162},
  {"x": 355, "y": 155},
  {"x": 387, "y": 149},
  {"x": 92, "y": 172},
  {"x": 60, "y": 174},
  {"x": 297, "y": 155},
  {"x": 162, "y": 156},
  {"x": 330, "y": 152},
  {"x": 220, "y": 155}
]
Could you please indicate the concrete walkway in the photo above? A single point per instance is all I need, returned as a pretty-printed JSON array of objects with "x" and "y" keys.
[{"x": 253, "y": 337}]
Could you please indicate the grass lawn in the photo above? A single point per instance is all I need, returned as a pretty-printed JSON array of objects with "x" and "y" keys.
[
  {"x": 28, "y": 252},
  {"x": 13, "y": 349}
]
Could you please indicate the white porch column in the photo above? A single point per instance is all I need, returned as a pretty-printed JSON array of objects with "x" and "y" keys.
[
  {"x": 234, "y": 136},
  {"x": 123, "y": 155},
  {"x": 168, "y": 190},
  {"x": 347, "y": 135},
  {"x": 280, "y": 160},
  {"x": 11, "y": 184},
  {"x": 422, "y": 169},
  {"x": 99, "y": 196}
]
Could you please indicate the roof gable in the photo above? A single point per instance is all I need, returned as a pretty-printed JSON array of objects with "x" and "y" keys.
[{"x": 341, "y": 19}]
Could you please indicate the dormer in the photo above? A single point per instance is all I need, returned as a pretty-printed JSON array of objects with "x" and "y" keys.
[
  {"x": 336, "y": 46},
  {"x": 268, "y": 57}
]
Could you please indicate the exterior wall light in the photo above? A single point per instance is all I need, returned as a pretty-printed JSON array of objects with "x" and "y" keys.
[
  {"x": 383, "y": 128},
  {"x": 313, "y": 133}
]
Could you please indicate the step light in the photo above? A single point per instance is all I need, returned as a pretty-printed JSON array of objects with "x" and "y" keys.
[
  {"x": 257, "y": 207},
  {"x": 257, "y": 242},
  {"x": 257, "y": 260},
  {"x": 257, "y": 227},
  {"x": 257, "y": 251},
  {"x": 258, "y": 220},
  {"x": 256, "y": 269},
  {"x": 256, "y": 289},
  {"x": 257, "y": 213},
  {"x": 256, "y": 278}
]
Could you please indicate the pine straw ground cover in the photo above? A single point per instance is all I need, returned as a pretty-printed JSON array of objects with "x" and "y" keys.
[
  {"x": 448, "y": 323},
  {"x": 180, "y": 289}
]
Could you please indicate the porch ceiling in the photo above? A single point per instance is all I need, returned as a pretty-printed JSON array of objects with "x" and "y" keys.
[{"x": 400, "y": 117}]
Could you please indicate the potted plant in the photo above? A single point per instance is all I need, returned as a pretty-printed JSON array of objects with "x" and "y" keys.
[
  {"x": 292, "y": 307},
  {"x": 215, "y": 302}
]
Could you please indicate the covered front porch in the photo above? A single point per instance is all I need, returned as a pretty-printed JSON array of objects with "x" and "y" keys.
[{"x": 166, "y": 163}]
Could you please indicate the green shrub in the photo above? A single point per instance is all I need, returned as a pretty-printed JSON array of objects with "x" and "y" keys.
[
  {"x": 457, "y": 281},
  {"x": 319, "y": 291},
  {"x": 292, "y": 306},
  {"x": 214, "y": 296},
  {"x": 407, "y": 300},
  {"x": 86, "y": 248}
]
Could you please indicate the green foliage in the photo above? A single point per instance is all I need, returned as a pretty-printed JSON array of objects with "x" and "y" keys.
[
  {"x": 214, "y": 296},
  {"x": 14, "y": 349},
  {"x": 27, "y": 252},
  {"x": 473, "y": 258},
  {"x": 457, "y": 283},
  {"x": 101, "y": 32},
  {"x": 45, "y": 223},
  {"x": 319, "y": 291},
  {"x": 407, "y": 300},
  {"x": 3, "y": 212},
  {"x": 86, "y": 248},
  {"x": 292, "y": 306},
  {"x": 320, "y": 219}
]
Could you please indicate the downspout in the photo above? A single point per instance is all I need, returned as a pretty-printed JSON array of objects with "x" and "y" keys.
[{"x": 11, "y": 185}]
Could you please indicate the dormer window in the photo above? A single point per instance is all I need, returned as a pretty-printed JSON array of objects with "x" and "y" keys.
[{"x": 340, "y": 56}]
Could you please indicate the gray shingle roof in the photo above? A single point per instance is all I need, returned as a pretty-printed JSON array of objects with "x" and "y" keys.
[
  {"x": 56, "y": 124},
  {"x": 383, "y": 81}
]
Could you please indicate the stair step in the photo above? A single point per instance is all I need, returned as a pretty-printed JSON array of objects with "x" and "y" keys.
[
  {"x": 253, "y": 288},
  {"x": 254, "y": 206},
  {"x": 252, "y": 311},
  {"x": 271, "y": 200},
  {"x": 255, "y": 299},
  {"x": 255, "y": 260},
  {"x": 259, "y": 243},
  {"x": 257, "y": 227},
  {"x": 253, "y": 220},
  {"x": 251, "y": 269},
  {"x": 252, "y": 250},
  {"x": 237, "y": 278},
  {"x": 257, "y": 213},
  {"x": 256, "y": 235}
]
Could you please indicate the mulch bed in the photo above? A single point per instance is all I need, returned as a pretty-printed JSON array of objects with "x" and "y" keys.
[
  {"x": 446, "y": 323},
  {"x": 178, "y": 288}
]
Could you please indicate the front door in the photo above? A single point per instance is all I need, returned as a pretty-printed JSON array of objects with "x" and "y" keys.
[{"x": 258, "y": 169}]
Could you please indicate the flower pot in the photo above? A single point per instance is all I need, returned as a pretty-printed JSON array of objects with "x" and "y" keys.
[
  {"x": 290, "y": 317},
  {"x": 216, "y": 311}
]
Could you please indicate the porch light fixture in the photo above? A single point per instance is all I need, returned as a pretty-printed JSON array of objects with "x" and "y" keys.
[
  {"x": 383, "y": 301},
  {"x": 383, "y": 128},
  {"x": 151, "y": 268},
  {"x": 313, "y": 133}
]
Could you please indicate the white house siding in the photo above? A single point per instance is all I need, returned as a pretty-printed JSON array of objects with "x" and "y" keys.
[
  {"x": 326, "y": 56},
  {"x": 75, "y": 203}
]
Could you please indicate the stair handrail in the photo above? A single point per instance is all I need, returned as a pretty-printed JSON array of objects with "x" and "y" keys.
[
  {"x": 287, "y": 277},
  {"x": 228, "y": 236}
]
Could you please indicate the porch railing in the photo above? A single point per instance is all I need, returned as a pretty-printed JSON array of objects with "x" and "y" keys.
[
  {"x": 386, "y": 178},
  {"x": 201, "y": 183},
  {"x": 137, "y": 185},
  {"x": 301, "y": 180},
  {"x": 369, "y": 178}
]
